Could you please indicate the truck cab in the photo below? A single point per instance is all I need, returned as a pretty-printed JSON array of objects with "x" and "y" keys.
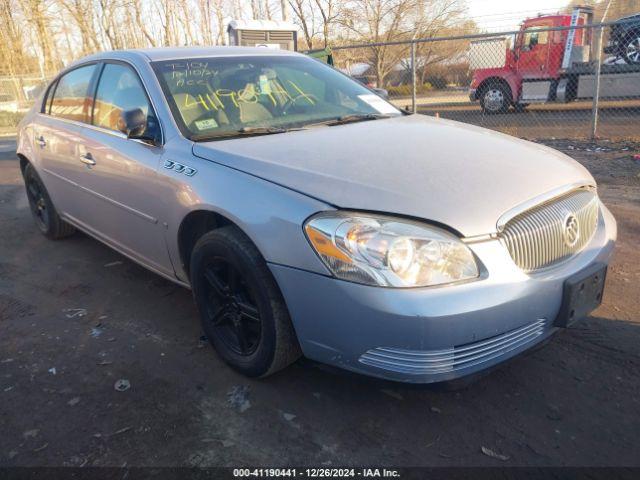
[{"x": 532, "y": 64}]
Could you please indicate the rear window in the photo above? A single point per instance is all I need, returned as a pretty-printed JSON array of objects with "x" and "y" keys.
[{"x": 70, "y": 98}]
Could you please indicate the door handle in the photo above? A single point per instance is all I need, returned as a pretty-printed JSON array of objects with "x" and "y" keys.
[
  {"x": 87, "y": 159},
  {"x": 41, "y": 141}
]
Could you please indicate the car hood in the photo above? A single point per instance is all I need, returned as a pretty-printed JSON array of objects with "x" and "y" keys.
[{"x": 452, "y": 173}]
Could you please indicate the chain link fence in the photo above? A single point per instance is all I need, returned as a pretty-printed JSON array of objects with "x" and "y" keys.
[
  {"x": 558, "y": 76},
  {"x": 17, "y": 94}
]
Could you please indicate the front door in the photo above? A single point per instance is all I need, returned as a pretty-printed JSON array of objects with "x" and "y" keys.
[
  {"x": 121, "y": 181},
  {"x": 534, "y": 53}
]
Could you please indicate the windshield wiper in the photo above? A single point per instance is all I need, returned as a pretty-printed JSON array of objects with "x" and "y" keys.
[
  {"x": 356, "y": 117},
  {"x": 244, "y": 131}
]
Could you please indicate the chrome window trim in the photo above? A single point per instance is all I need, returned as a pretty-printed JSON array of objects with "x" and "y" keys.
[
  {"x": 115, "y": 61},
  {"x": 535, "y": 201},
  {"x": 115, "y": 133},
  {"x": 53, "y": 84},
  {"x": 63, "y": 120},
  {"x": 56, "y": 82}
]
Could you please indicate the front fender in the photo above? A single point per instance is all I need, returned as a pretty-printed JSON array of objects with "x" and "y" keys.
[
  {"x": 508, "y": 77},
  {"x": 272, "y": 216}
]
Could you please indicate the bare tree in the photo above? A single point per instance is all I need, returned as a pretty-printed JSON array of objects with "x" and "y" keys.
[
  {"x": 82, "y": 13},
  {"x": 142, "y": 27},
  {"x": 378, "y": 21},
  {"x": 45, "y": 34},
  {"x": 329, "y": 14},
  {"x": 304, "y": 14},
  {"x": 219, "y": 9},
  {"x": 11, "y": 50},
  {"x": 36, "y": 12},
  {"x": 186, "y": 21},
  {"x": 284, "y": 7},
  {"x": 255, "y": 9},
  {"x": 205, "y": 7}
]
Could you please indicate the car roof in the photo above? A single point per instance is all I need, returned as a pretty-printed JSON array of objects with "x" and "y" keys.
[{"x": 177, "y": 53}]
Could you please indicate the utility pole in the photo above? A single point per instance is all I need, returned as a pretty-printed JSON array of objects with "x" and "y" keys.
[{"x": 598, "y": 67}]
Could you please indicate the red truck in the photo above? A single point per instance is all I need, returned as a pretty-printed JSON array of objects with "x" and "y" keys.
[{"x": 545, "y": 66}]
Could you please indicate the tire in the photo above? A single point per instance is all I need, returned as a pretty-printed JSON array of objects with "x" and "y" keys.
[
  {"x": 42, "y": 208},
  {"x": 495, "y": 98},
  {"x": 241, "y": 308},
  {"x": 631, "y": 48}
]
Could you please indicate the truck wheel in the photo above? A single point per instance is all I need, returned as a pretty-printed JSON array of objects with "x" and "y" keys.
[
  {"x": 42, "y": 208},
  {"x": 495, "y": 98},
  {"x": 242, "y": 310},
  {"x": 631, "y": 53}
]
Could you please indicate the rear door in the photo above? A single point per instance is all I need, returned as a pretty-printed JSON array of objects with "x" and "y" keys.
[
  {"x": 124, "y": 197},
  {"x": 59, "y": 134}
]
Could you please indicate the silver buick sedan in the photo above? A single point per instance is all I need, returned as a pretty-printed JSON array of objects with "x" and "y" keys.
[{"x": 311, "y": 217}]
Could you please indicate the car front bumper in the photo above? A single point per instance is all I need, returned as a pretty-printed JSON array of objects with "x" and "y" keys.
[{"x": 425, "y": 335}]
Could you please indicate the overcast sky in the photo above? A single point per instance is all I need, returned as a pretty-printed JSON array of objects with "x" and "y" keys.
[{"x": 495, "y": 15}]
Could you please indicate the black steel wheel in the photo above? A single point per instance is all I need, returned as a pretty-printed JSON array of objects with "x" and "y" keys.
[
  {"x": 42, "y": 208},
  {"x": 230, "y": 308},
  {"x": 241, "y": 308}
]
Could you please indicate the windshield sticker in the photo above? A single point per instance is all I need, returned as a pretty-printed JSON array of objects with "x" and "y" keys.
[
  {"x": 264, "y": 85},
  {"x": 378, "y": 103},
  {"x": 206, "y": 124}
]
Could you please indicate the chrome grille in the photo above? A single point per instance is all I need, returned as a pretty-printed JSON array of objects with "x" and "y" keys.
[
  {"x": 546, "y": 234},
  {"x": 451, "y": 359}
]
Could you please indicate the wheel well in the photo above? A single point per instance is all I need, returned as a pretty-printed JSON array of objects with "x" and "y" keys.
[
  {"x": 23, "y": 162},
  {"x": 485, "y": 83},
  {"x": 194, "y": 225}
]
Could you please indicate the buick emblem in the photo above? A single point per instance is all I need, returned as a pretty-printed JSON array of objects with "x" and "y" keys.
[{"x": 571, "y": 230}]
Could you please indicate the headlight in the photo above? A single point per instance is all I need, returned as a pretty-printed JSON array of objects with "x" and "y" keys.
[{"x": 387, "y": 251}]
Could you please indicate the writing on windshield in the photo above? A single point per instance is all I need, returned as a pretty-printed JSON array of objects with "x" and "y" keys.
[{"x": 223, "y": 94}]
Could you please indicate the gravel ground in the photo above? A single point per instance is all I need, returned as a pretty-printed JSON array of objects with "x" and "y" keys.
[{"x": 76, "y": 317}]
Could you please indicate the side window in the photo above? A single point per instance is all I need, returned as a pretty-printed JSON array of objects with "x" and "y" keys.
[
  {"x": 120, "y": 90},
  {"x": 70, "y": 99},
  {"x": 534, "y": 37}
]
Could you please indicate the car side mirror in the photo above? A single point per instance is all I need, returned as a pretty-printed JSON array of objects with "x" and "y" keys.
[{"x": 133, "y": 123}]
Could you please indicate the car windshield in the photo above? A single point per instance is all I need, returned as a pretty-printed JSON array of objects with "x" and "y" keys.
[{"x": 251, "y": 95}]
